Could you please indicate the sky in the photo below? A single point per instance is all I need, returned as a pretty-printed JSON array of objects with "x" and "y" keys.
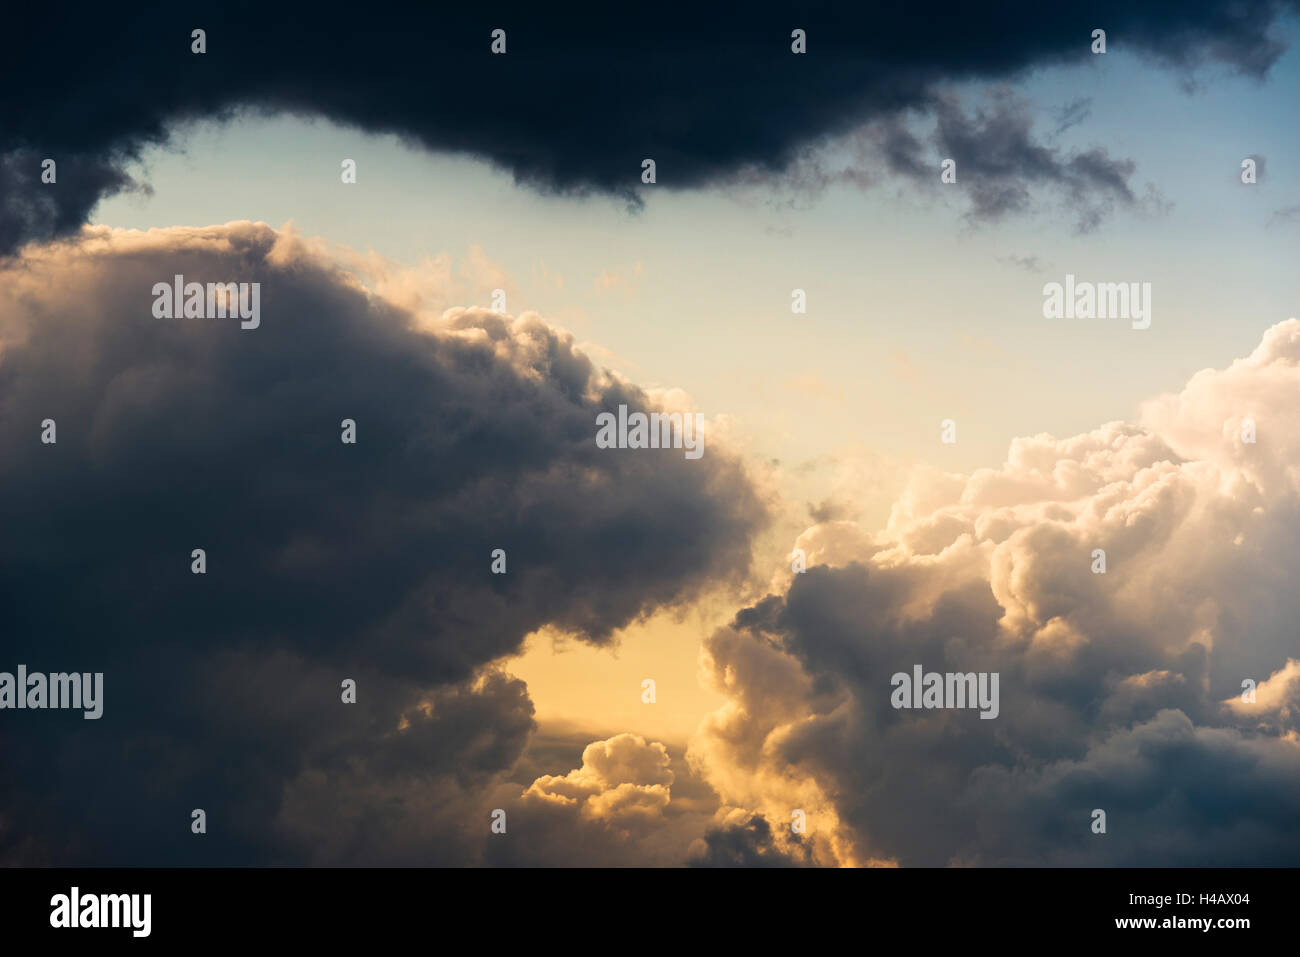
[
  {"x": 638, "y": 284},
  {"x": 775, "y": 172}
]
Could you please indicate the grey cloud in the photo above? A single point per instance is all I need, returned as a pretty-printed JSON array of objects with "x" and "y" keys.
[
  {"x": 999, "y": 161},
  {"x": 325, "y": 561},
  {"x": 1072, "y": 114},
  {"x": 1003, "y": 168},
  {"x": 1027, "y": 263}
]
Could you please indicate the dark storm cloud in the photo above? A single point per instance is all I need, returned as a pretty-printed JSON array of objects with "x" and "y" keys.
[
  {"x": 580, "y": 99},
  {"x": 32, "y": 210},
  {"x": 1195, "y": 796},
  {"x": 324, "y": 560}
]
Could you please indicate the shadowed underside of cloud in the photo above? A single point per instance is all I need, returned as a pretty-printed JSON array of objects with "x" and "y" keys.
[
  {"x": 325, "y": 561},
  {"x": 745, "y": 840},
  {"x": 579, "y": 100},
  {"x": 1119, "y": 691}
]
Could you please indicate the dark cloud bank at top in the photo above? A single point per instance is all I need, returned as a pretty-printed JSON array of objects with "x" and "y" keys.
[
  {"x": 582, "y": 96},
  {"x": 325, "y": 560}
]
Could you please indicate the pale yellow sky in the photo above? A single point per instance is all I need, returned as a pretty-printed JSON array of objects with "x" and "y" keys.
[{"x": 572, "y": 682}]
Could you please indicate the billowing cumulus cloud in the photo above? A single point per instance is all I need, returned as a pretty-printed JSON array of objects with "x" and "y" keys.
[
  {"x": 629, "y": 802},
  {"x": 325, "y": 560},
  {"x": 1120, "y": 690},
  {"x": 577, "y": 101},
  {"x": 620, "y": 779}
]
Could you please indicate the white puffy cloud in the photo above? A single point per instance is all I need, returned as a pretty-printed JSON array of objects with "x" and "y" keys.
[{"x": 623, "y": 779}]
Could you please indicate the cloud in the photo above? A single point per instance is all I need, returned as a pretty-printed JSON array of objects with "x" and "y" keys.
[
  {"x": 1118, "y": 691},
  {"x": 624, "y": 778},
  {"x": 1072, "y": 114},
  {"x": 744, "y": 840},
  {"x": 630, "y": 803},
  {"x": 1000, "y": 162},
  {"x": 1191, "y": 795},
  {"x": 33, "y": 210},
  {"x": 712, "y": 101},
  {"x": 1279, "y": 693},
  {"x": 415, "y": 794},
  {"x": 1287, "y": 214},
  {"x": 325, "y": 561},
  {"x": 1027, "y": 263}
]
